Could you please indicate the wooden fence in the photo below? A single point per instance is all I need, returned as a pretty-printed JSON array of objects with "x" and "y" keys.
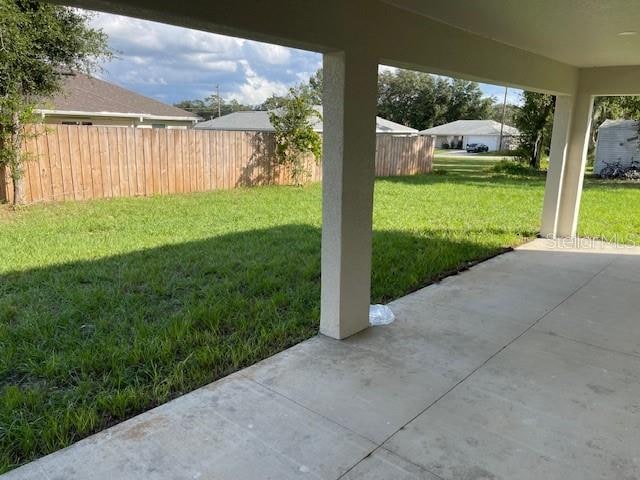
[{"x": 69, "y": 162}]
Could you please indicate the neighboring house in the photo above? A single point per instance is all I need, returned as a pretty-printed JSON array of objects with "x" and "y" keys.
[
  {"x": 462, "y": 132},
  {"x": 86, "y": 100},
  {"x": 617, "y": 143},
  {"x": 258, "y": 121}
]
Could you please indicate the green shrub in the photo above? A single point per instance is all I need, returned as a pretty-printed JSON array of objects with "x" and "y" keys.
[{"x": 519, "y": 169}]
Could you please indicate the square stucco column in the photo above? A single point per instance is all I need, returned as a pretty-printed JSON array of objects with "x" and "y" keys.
[
  {"x": 567, "y": 161},
  {"x": 349, "y": 145}
]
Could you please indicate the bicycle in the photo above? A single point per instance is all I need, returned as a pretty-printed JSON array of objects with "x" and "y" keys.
[{"x": 612, "y": 170}]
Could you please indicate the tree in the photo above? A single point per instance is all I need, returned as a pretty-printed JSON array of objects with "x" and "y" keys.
[
  {"x": 613, "y": 108},
  {"x": 273, "y": 102},
  {"x": 199, "y": 107},
  {"x": 39, "y": 42},
  {"x": 208, "y": 108},
  {"x": 509, "y": 116},
  {"x": 421, "y": 101},
  {"x": 293, "y": 124},
  {"x": 315, "y": 86},
  {"x": 409, "y": 98},
  {"x": 312, "y": 89},
  {"x": 467, "y": 102},
  {"x": 534, "y": 119}
]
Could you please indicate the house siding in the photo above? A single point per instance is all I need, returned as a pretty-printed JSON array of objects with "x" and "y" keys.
[
  {"x": 616, "y": 143},
  {"x": 100, "y": 121}
]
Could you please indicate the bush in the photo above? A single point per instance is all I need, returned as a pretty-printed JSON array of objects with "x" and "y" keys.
[
  {"x": 519, "y": 169},
  {"x": 295, "y": 136}
]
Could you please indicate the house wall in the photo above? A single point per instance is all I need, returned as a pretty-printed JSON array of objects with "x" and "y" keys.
[
  {"x": 115, "y": 121},
  {"x": 616, "y": 144}
]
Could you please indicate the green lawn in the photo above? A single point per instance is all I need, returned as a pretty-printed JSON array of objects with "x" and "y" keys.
[
  {"x": 108, "y": 308},
  {"x": 464, "y": 164}
]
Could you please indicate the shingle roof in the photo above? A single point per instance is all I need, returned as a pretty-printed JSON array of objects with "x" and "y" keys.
[
  {"x": 249, "y": 120},
  {"x": 258, "y": 121},
  {"x": 471, "y": 127},
  {"x": 83, "y": 93}
]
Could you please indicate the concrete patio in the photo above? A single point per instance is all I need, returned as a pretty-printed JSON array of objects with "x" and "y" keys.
[{"x": 527, "y": 366}]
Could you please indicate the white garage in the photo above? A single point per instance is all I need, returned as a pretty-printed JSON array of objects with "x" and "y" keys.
[
  {"x": 462, "y": 132},
  {"x": 490, "y": 141}
]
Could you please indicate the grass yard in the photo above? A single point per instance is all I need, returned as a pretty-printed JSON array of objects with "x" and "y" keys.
[
  {"x": 465, "y": 164},
  {"x": 108, "y": 308}
]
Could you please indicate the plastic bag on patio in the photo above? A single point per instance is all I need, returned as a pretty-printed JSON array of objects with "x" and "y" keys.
[{"x": 380, "y": 315}]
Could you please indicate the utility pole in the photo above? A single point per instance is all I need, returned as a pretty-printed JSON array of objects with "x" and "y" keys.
[
  {"x": 504, "y": 112},
  {"x": 218, "y": 95}
]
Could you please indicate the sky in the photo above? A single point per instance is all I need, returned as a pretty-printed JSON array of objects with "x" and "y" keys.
[{"x": 172, "y": 63}]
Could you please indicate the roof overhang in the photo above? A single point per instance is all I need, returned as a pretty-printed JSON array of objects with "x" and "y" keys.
[
  {"x": 544, "y": 45},
  {"x": 581, "y": 33},
  {"x": 140, "y": 116},
  {"x": 467, "y": 134},
  {"x": 417, "y": 42}
]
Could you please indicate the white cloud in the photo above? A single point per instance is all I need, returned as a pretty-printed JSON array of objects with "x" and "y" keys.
[
  {"x": 272, "y": 54},
  {"x": 256, "y": 88},
  {"x": 174, "y": 63},
  {"x": 211, "y": 62}
]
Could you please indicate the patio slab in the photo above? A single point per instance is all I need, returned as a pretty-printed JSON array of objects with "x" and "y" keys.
[{"x": 525, "y": 366}]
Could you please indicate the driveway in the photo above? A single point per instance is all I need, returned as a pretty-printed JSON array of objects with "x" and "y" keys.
[{"x": 464, "y": 153}]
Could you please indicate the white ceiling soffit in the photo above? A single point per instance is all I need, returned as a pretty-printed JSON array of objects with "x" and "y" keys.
[{"x": 583, "y": 33}]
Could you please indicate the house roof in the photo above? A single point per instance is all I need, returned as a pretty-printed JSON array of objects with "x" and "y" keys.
[
  {"x": 628, "y": 124},
  {"x": 85, "y": 94},
  {"x": 259, "y": 121},
  {"x": 471, "y": 127}
]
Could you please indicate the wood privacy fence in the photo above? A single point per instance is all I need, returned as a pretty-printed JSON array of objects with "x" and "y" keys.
[{"x": 69, "y": 162}]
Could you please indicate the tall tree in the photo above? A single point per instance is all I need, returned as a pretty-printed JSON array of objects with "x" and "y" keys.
[
  {"x": 39, "y": 42},
  {"x": 534, "y": 119},
  {"x": 467, "y": 102},
  {"x": 314, "y": 86},
  {"x": 421, "y": 101},
  {"x": 408, "y": 97},
  {"x": 613, "y": 108},
  {"x": 509, "y": 115}
]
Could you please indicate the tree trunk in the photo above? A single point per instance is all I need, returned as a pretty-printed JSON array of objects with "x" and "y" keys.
[
  {"x": 3, "y": 184},
  {"x": 538, "y": 152},
  {"x": 534, "y": 160},
  {"x": 17, "y": 167}
]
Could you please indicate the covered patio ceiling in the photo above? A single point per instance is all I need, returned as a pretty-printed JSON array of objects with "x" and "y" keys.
[
  {"x": 540, "y": 45},
  {"x": 582, "y": 33}
]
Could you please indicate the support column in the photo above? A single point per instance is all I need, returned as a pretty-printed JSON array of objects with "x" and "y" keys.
[
  {"x": 557, "y": 157},
  {"x": 567, "y": 162},
  {"x": 349, "y": 145}
]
